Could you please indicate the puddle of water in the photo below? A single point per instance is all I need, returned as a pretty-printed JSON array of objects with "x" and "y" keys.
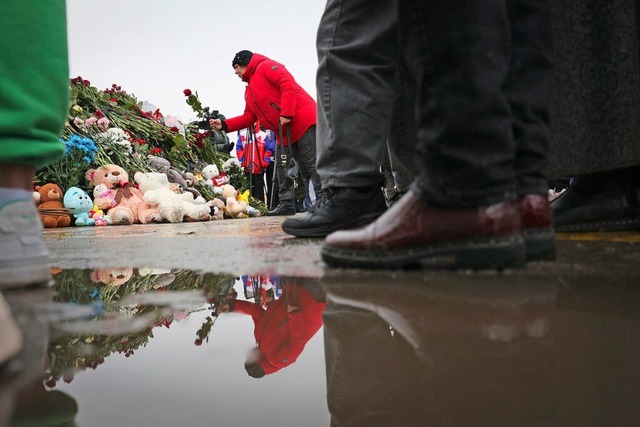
[{"x": 156, "y": 347}]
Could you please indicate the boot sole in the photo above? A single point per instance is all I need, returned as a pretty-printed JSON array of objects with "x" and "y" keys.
[
  {"x": 540, "y": 244},
  {"x": 497, "y": 253},
  {"x": 325, "y": 230}
]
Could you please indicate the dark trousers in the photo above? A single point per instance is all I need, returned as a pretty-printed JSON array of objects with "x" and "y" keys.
[
  {"x": 483, "y": 69},
  {"x": 303, "y": 152},
  {"x": 256, "y": 185}
]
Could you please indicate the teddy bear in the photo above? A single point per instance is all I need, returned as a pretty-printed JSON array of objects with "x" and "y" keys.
[
  {"x": 129, "y": 206},
  {"x": 163, "y": 165},
  {"x": 217, "y": 207},
  {"x": 234, "y": 208},
  {"x": 174, "y": 207},
  {"x": 51, "y": 209},
  {"x": 102, "y": 196},
  {"x": 79, "y": 204},
  {"x": 191, "y": 182},
  {"x": 214, "y": 178},
  {"x": 112, "y": 276}
]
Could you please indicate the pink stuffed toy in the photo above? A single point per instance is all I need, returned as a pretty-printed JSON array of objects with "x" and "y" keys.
[{"x": 123, "y": 201}]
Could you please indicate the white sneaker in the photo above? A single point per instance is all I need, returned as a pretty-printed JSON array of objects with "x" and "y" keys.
[{"x": 23, "y": 255}]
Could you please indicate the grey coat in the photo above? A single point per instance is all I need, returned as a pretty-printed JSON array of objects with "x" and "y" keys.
[{"x": 595, "y": 109}]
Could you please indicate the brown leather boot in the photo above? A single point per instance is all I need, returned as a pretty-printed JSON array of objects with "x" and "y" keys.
[{"x": 413, "y": 233}]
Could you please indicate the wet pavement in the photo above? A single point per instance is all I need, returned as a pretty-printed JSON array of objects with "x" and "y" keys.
[{"x": 135, "y": 331}]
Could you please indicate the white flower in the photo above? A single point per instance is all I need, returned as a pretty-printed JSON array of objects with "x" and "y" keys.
[
  {"x": 227, "y": 165},
  {"x": 116, "y": 136}
]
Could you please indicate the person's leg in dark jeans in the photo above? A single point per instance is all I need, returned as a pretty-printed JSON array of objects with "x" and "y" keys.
[
  {"x": 356, "y": 39},
  {"x": 272, "y": 186},
  {"x": 401, "y": 142},
  {"x": 528, "y": 89},
  {"x": 304, "y": 153},
  {"x": 461, "y": 211}
]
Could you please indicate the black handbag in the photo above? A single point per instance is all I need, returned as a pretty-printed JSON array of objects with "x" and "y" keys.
[{"x": 286, "y": 160}]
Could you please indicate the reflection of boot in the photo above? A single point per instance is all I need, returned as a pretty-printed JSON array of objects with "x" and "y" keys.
[
  {"x": 483, "y": 344},
  {"x": 44, "y": 408},
  {"x": 605, "y": 201},
  {"x": 444, "y": 309}
]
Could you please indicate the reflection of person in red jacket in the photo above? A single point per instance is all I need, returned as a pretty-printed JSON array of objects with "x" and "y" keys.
[
  {"x": 283, "y": 329},
  {"x": 273, "y": 97}
]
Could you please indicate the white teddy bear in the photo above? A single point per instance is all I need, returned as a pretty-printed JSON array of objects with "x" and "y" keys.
[
  {"x": 214, "y": 178},
  {"x": 174, "y": 207}
]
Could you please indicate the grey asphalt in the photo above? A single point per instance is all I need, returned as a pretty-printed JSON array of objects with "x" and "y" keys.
[
  {"x": 234, "y": 246},
  {"x": 259, "y": 246}
]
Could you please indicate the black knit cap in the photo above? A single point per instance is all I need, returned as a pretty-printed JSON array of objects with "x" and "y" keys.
[{"x": 242, "y": 58}]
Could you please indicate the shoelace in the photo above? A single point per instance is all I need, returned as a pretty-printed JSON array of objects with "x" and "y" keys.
[{"x": 322, "y": 200}]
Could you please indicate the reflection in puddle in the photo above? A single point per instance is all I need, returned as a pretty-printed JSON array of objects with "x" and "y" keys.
[
  {"x": 115, "y": 310},
  {"x": 397, "y": 348},
  {"x": 92, "y": 319}
]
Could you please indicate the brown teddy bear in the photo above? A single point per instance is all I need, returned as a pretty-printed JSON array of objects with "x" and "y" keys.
[
  {"x": 129, "y": 207},
  {"x": 51, "y": 209}
]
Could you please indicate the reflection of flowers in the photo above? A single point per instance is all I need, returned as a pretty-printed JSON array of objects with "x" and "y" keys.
[
  {"x": 70, "y": 352},
  {"x": 204, "y": 331}
]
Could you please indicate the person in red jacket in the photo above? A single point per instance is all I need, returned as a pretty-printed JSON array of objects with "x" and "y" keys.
[
  {"x": 255, "y": 149},
  {"x": 273, "y": 97},
  {"x": 284, "y": 328}
]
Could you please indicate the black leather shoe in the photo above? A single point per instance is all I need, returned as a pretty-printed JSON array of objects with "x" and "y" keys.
[
  {"x": 599, "y": 202},
  {"x": 338, "y": 209},
  {"x": 282, "y": 209}
]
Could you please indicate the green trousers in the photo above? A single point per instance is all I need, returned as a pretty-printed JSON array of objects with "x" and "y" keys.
[{"x": 34, "y": 80}]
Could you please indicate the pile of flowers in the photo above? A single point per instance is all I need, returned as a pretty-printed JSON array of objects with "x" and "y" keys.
[{"x": 111, "y": 127}]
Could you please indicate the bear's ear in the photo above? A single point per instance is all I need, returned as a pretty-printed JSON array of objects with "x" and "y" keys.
[
  {"x": 90, "y": 174},
  {"x": 95, "y": 276},
  {"x": 38, "y": 187}
]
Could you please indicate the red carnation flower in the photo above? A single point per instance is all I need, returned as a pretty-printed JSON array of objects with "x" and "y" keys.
[
  {"x": 187, "y": 92},
  {"x": 155, "y": 150}
]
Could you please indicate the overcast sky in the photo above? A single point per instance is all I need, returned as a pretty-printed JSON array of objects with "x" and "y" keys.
[{"x": 155, "y": 49}]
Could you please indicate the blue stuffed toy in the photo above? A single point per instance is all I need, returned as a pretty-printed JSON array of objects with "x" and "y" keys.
[{"x": 79, "y": 204}]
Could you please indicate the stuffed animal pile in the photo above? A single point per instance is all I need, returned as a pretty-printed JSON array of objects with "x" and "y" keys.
[
  {"x": 167, "y": 195},
  {"x": 173, "y": 206}
]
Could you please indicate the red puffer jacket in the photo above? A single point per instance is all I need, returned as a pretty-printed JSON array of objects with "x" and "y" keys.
[
  {"x": 272, "y": 92},
  {"x": 281, "y": 336}
]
